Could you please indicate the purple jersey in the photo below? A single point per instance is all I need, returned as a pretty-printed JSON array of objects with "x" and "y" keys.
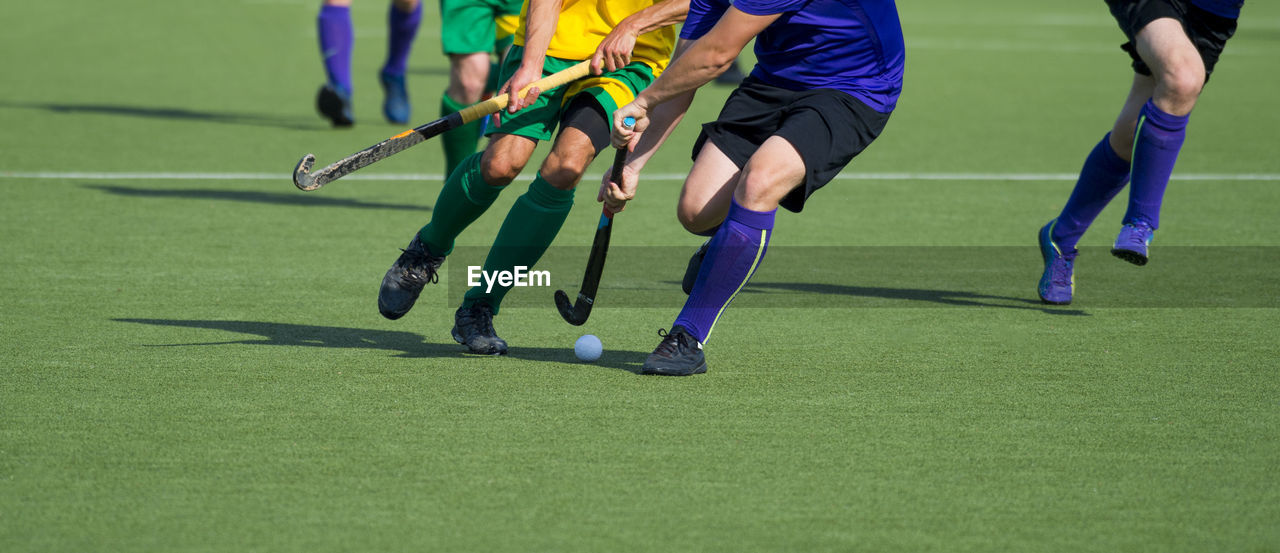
[
  {"x": 1222, "y": 8},
  {"x": 854, "y": 46}
]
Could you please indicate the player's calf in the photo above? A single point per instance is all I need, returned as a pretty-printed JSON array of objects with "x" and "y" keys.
[{"x": 695, "y": 265}]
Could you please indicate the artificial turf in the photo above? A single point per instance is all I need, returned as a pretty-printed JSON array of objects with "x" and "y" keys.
[{"x": 192, "y": 359}]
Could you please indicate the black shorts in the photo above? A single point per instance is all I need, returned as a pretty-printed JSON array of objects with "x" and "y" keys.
[
  {"x": 1208, "y": 31},
  {"x": 827, "y": 127}
]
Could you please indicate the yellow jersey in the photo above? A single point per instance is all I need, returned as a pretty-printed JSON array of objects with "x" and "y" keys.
[{"x": 584, "y": 23}]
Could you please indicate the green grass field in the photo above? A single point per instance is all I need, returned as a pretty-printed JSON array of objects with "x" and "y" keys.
[{"x": 191, "y": 357}]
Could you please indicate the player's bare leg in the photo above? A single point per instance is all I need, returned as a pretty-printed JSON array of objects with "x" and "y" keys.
[
  {"x": 1179, "y": 75},
  {"x": 1175, "y": 64},
  {"x": 463, "y": 198},
  {"x": 468, "y": 74},
  {"x": 708, "y": 191},
  {"x": 1142, "y": 147},
  {"x": 704, "y": 202},
  {"x": 772, "y": 172},
  {"x": 1121, "y": 137},
  {"x": 733, "y": 255},
  {"x": 527, "y": 231},
  {"x": 468, "y": 78},
  {"x": 504, "y": 158}
]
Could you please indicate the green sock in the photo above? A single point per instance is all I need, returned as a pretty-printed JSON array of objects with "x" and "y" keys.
[
  {"x": 462, "y": 199},
  {"x": 531, "y": 225},
  {"x": 460, "y": 142}
]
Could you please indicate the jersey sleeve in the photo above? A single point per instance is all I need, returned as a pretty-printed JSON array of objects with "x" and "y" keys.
[
  {"x": 768, "y": 7},
  {"x": 703, "y": 15}
]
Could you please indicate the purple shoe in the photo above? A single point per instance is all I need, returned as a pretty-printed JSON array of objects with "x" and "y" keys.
[
  {"x": 1132, "y": 243},
  {"x": 1058, "y": 281}
]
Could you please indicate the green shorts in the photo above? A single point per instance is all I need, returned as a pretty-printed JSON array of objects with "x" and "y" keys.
[
  {"x": 474, "y": 26},
  {"x": 611, "y": 89}
]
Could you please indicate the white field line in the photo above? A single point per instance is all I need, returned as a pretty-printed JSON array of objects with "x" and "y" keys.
[{"x": 406, "y": 177}]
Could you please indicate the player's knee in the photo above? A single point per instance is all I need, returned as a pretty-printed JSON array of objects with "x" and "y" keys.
[
  {"x": 498, "y": 170},
  {"x": 1180, "y": 85},
  {"x": 563, "y": 170},
  {"x": 763, "y": 187},
  {"x": 472, "y": 83},
  {"x": 468, "y": 77},
  {"x": 1186, "y": 85},
  {"x": 405, "y": 5},
  {"x": 694, "y": 218}
]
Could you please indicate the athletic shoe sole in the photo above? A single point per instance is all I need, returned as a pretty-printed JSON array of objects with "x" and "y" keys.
[
  {"x": 1130, "y": 256},
  {"x": 699, "y": 369}
]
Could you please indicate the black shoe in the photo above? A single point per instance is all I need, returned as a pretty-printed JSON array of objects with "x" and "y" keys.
[
  {"x": 732, "y": 76},
  {"x": 405, "y": 279},
  {"x": 679, "y": 354},
  {"x": 473, "y": 327},
  {"x": 335, "y": 104},
  {"x": 695, "y": 265}
]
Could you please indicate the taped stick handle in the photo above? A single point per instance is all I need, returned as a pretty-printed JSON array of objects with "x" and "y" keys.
[
  {"x": 619, "y": 161},
  {"x": 499, "y": 103}
]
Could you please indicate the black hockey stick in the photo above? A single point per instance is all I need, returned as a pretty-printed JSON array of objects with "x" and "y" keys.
[
  {"x": 576, "y": 313},
  {"x": 305, "y": 180}
]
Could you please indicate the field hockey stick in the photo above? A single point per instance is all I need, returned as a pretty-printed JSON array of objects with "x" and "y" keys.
[
  {"x": 306, "y": 180},
  {"x": 576, "y": 313}
]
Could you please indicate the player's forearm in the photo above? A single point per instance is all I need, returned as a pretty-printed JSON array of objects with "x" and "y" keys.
[
  {"x": 657, "y": 16},
  {"x": 540, "y": 26},
  {"x": 663, "y": 121},
  {"x": 704, "y": 61}
]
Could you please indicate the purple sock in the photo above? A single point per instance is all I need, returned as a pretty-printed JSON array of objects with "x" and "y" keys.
[
  {"x": 336, "y": 37},
  {"x": 732, "y": 256},
  {"x": 1103, "y": 175},
  {"x": 402, "y": 27},
  {"x": 1155, "y": 149}
]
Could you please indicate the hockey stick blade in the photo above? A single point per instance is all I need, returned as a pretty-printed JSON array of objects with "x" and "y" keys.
[
  {"x": 307, "y": 180},
  {"x": 577, "y": 313}
]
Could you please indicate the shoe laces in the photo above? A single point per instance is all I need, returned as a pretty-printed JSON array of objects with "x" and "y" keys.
[
  {"x": 481, "y": 319},
  {"x": 418, "y": 262},
  {"x": 1141, "y": 231},
  {"x": 673, "y": 342},
  {"x": 1061, "y": 272}
]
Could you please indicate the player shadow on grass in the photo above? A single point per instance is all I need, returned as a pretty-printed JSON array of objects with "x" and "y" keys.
[
  {"x": 180, "y": 114},
  {"x": 405, "y": 344},
  {"x": 253, "y": 196},
  {"x": 912, "y": 295}
]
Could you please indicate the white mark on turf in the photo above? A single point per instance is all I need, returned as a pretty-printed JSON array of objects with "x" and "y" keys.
[{"x": 405, "y": 177}]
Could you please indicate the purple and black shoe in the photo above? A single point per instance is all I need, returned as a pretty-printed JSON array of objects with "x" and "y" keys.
[
  {"x": 1131, "y": 244},
  {"x": 1058, "y": 281}
]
